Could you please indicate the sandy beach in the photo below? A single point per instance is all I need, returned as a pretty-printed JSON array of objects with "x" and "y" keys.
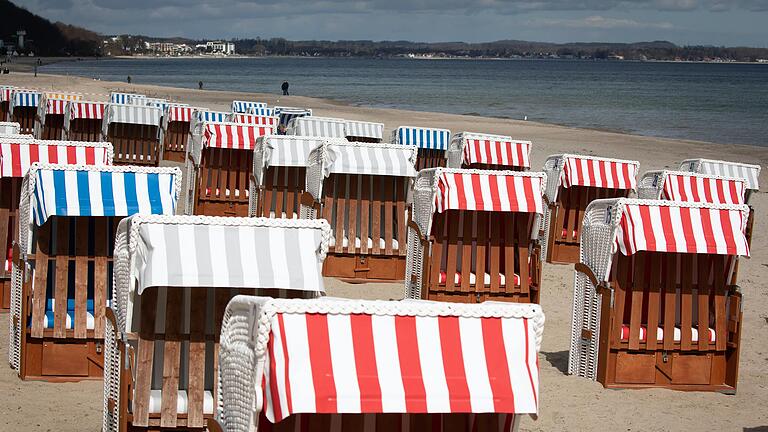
[{"x": 567, "y": 402}]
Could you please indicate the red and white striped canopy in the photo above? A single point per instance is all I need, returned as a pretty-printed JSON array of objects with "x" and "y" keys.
[
  {"x": 598, "y": 172},
  {"x": 665, "y": 226},
  {"x": 233, "y": 135},
  {"x": 372, "y": 363},
  {"x": 489, "y": 191},
  {"x": 17, "y": 156},
  {"x": 496, "y": 150},
  {"x": 86, "y": 110},
  {"x": 702, "y": 188},
  {"x": 55, "y": 106},
  {"x": 177, "y": 113},
  {"x": 254, "y": 119},
  {"x": 5, "y": 93}
]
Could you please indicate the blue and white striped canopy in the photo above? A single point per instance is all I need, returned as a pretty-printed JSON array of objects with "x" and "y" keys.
[
  {"x": 262, "y": 111},
  {"x": 125, "y": 98},
  {"x": 242, "y": 107},
  {"x": 23, "y": 98},
  {"x": 426, "y": 138},
  {"x": 212, "y": 116},
  {"x": 287, "y": 114},
  {"x": 74, "y": 190}
]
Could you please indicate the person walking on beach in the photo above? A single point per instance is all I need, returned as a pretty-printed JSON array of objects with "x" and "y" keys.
[
  {"x": 200, "y": 85},
  {"x": 285, "y": 88},
  {"x": 129, "y": 79}
]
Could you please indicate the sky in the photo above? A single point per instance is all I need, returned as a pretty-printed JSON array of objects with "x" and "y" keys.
[{"x": 708, "y": 22}]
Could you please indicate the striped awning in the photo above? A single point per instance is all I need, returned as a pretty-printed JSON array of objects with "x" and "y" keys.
[
  {"x": 87, "y": 110},
  {"x": 55, "y": 106},
  {"x": 9, "y": 128},
  {"x": 369, "y": 159},
  {"x": 244, "y": 106},
  {"x": 126, "y": 98},
  {"x": 5, "y": 93},
  {"x": 500, "y": 191},
  {"x": 75, "y": 190},
  {"x": 63, "y": 96},
  {"x": 494, "y": 150},
  {"x": 157, "y": 103},
  {"x": 227, "y": 255},
  {"x": 363, "y": 129},
  {"x": 133, "y": 114},
  {"x": 17, "y": 156},
  {"x": 749, "y": 172},
  {"x": 598, "y": 172},
  {"x": 262, "y": 111},
  {"x": 288, "y": 150},
  {"x": 233, "y": 135},
  {"x": 666, "y": 226},
  {"x": 316, "y": 126},
  {"x": 682, "y": 186},
  {"x": 287, "y": 114},
  {"x": 325, "y": 357},
  {"x": 26, "y": 98},
  {"x": 426, "y": 138},
  {"x": 254, "y": 119},
  {"x": 179, "y": 113},
  {"x": 211, "y": 116}
]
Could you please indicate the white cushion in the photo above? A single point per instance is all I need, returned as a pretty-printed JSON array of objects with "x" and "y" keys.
[{"x": 156, "y": 402}]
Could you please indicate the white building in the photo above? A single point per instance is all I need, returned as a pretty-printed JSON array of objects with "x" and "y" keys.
[{"x": 221, "y": 47}]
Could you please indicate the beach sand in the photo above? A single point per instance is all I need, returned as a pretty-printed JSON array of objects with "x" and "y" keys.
[{"x": 566, "y": 402}]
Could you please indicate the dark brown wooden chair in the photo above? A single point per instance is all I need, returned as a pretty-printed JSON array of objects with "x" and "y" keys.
[
  {"x": 175, "y": 132},
  {"x": 23, "y": 109},
  {"x": 62, "y": 280},
  {"x": 220, "y": 164},
  {"x": 362, "y": 190},
  {"x": 572, "y": 183},
  {"x": 471, "y": 245},
  {"x": 162, "y": 342},
  {"x": 134, "y": 131},
  {"x": 83, "y": 121},
  {"x": 655, "y": 304}
]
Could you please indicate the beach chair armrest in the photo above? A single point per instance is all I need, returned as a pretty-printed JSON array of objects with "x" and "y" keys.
[
  {"x": 308, "y": 200},
  {"x": 109, "y": 314},
  {"x": 214, "y": 426},
  {"x": 584, "y": 269},
  {"x": 414, "y": 226}
]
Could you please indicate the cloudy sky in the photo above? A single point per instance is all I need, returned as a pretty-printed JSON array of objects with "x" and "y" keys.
[{"x": 716, "y": 22}]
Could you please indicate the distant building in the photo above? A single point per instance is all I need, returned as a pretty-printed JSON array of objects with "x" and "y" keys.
[
  {"x": 220, "y": 47},
  {"x": 168, "y": 48}
]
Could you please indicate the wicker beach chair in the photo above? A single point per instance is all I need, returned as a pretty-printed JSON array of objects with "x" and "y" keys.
[
  {"x": 573, "y": 181},
  {"x": 362, "y": 131},
  {"x": 134, "y": 132},
  {"x": 473, "y": 150},
  {"x": 286, "y": 114},
  {"x": 174, "y": 131},
  {"x": 83, "y": 121},
  {"x": 243, "y": 107},
  {"x": 432, "y": 144},
  {"x": 377, "y": 366},
  {"x": 23, "y": 109},
  {"x": 62, "y": 271},
  {"x": 474, "y": 236},
  {"x": 316, "y": 127},
  {"x": 279, "y": 175},
  {"x": 6, "y": 94},
  {"x": 49, "y": 120},
  {"x": 219, "y": 166},
  {"x": 362, "y": 190},
  {"x": 173, "y": 279},
  {"x": 654, "y": 302},
  {"x": 9, "y": 128},
  {"x": 16, "y": 156}
]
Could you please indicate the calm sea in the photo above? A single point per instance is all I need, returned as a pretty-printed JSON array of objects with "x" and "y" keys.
[{"x": 725, "y": 103}]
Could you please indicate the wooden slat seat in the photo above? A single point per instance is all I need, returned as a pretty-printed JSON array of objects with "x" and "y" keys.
[
  {"x": 280, "y": 196},
  {"x": 566, "y": 219},
  {"x": 497, "y": 245},
  {"x": 175, "y": 141},
  {"x": 373, "y": 211},
  {"x": 430, "y": 158},
  {"x": 223, "y": 182},
  {"x": 134, "y": 144},
  {"x": 25, "y": 117},
  {"x": 10, "y": 192},
  {"x": 72, "y": 260},
  {"x": 53, "y": 128},
  {"x": 83, "y": 129},
  {"x": 683, "y": 296}
]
